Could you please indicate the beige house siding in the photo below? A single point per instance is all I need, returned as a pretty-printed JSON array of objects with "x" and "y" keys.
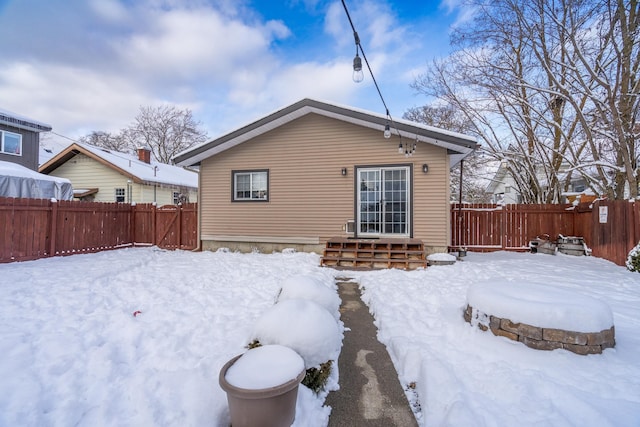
[
  {"x": 85, "y": 172},
  {"x": 310, "y": 200}
]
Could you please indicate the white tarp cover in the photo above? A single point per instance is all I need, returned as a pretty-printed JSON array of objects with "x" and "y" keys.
[{"x": 21, "y": 182}]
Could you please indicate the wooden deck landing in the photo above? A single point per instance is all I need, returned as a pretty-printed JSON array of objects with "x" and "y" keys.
[{"x": 366, "y": 254}]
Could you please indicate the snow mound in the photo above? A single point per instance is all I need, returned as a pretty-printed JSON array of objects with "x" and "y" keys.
[
  {"x": 311, "y": 288},
  {"x": 441, "y": 256},
  {"x": 304, "y": 326},
  {"x": 264, "y": 367},
  {"x": 541, "y": 305}
]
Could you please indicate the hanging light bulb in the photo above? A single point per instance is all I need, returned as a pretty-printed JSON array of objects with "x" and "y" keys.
[
  {"x": 358, "y": 75},
  {"x": 387, "y": 131},
  {"x": 400, "y": 149}
]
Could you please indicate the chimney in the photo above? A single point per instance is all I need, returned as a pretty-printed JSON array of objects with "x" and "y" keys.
[{"x": 144, "y": 154}]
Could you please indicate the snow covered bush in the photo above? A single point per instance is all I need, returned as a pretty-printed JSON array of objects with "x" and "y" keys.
[
  {"x": 633, "y": 259},
  {"x": 309, "y": 329},
  {"x": 311, "y": 288},
  {"x": 304, "y": 326}
]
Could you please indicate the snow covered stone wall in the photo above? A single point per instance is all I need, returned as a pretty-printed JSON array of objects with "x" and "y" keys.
[
  {"x": 543, "y": 338},
  {"x": 540, "y": 316}
]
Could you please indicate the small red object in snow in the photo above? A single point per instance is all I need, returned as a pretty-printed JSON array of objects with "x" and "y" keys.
[{"x": 135, "y": 313}]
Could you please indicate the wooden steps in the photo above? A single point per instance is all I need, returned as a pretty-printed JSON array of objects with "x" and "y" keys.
[{"x": 353, "y": 254}]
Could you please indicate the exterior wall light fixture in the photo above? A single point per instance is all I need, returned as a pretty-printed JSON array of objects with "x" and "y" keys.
[
  {"x": 344, "y": 171},
  {"x": 425, "y": 168}
]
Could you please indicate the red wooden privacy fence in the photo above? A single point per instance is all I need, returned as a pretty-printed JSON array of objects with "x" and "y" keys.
[
  {"x": 610, "y": 228},
  {"x": 38, "y": 228}
]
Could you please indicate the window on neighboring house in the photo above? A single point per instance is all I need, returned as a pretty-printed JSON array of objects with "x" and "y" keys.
[
  {"x": 10, "y": 143},
  {"x": 251, "y": 186},
  {"x": 120, "y": 195}
]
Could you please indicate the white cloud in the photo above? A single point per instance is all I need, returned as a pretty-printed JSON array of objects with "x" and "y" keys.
[
  {"x": 463, "y": 11},
  {"x": 198, "y": 43},
  {"x": 74, "y": 101},
  {"x": 220, "y": 59},
  {"x": 109, "y": 10},
  {"x": 331, "y": 81},
  {"x": 450, "y": 5},
  {"x": 337, "y": 26}
]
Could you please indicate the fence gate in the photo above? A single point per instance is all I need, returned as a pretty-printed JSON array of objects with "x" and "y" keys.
[{"x": 176, "y": 227}]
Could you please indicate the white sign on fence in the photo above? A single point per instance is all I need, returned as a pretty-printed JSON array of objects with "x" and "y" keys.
[{"x": 604, "y": 214}]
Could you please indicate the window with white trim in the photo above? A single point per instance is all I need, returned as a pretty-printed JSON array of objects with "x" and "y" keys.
[
  {"x": 251, "y": 186},
  {"x": 10, "y": 143},
  {"x": 120, "y": 195}
]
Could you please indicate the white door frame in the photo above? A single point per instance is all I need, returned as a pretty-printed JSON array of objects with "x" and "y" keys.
[{"x": 383, "y": 201}]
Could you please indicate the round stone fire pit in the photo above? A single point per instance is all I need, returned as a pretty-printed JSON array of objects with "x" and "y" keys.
[{"x": 542, "y": 317}]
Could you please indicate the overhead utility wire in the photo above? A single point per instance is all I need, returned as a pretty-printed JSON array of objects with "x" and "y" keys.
[
  {"x": 63, "y": 136},
  {"x": 359, "y": 45}
]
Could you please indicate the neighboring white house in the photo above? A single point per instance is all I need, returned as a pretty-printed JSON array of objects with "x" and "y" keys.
[
  {"x": 502, "y": 187},
  {"x": 504, "y": 190},
  {"x": 102, "y": 175}
]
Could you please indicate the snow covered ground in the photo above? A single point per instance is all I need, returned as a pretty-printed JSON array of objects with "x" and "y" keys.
[
  {"x": 468, "y": 377},
  {"x": 72, "y": 353}
]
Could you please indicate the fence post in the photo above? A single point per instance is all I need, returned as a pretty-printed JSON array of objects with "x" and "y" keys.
[
  {"x": 180, "y": 226},
  {"x": 132, "y": 224},
  {"x": 153, "y": 224},
  {"x": 635, "y": 218},
  {"x": 53, "y": 226},
  {"x": 503, "y": 227}
]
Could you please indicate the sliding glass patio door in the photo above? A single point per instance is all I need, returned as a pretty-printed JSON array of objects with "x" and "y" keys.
[{"x": 383, "y": 202}]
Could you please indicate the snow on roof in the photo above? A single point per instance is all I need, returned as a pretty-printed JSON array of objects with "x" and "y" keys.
[
  {"x": 14, "y": 169},
  {"x": 49, "y": 149},
  {"x": 22, "y": 122},
  {"x": 154, "y": 172},
  {"x": 160, "y": 173}
]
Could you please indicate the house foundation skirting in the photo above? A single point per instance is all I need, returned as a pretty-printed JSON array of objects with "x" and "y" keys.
[
  {"x": 247, "y": 244},
  {"x": 431, "y": 249}
]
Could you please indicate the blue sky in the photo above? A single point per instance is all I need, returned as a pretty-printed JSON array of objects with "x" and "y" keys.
[{"x": 84, "y": 65}]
